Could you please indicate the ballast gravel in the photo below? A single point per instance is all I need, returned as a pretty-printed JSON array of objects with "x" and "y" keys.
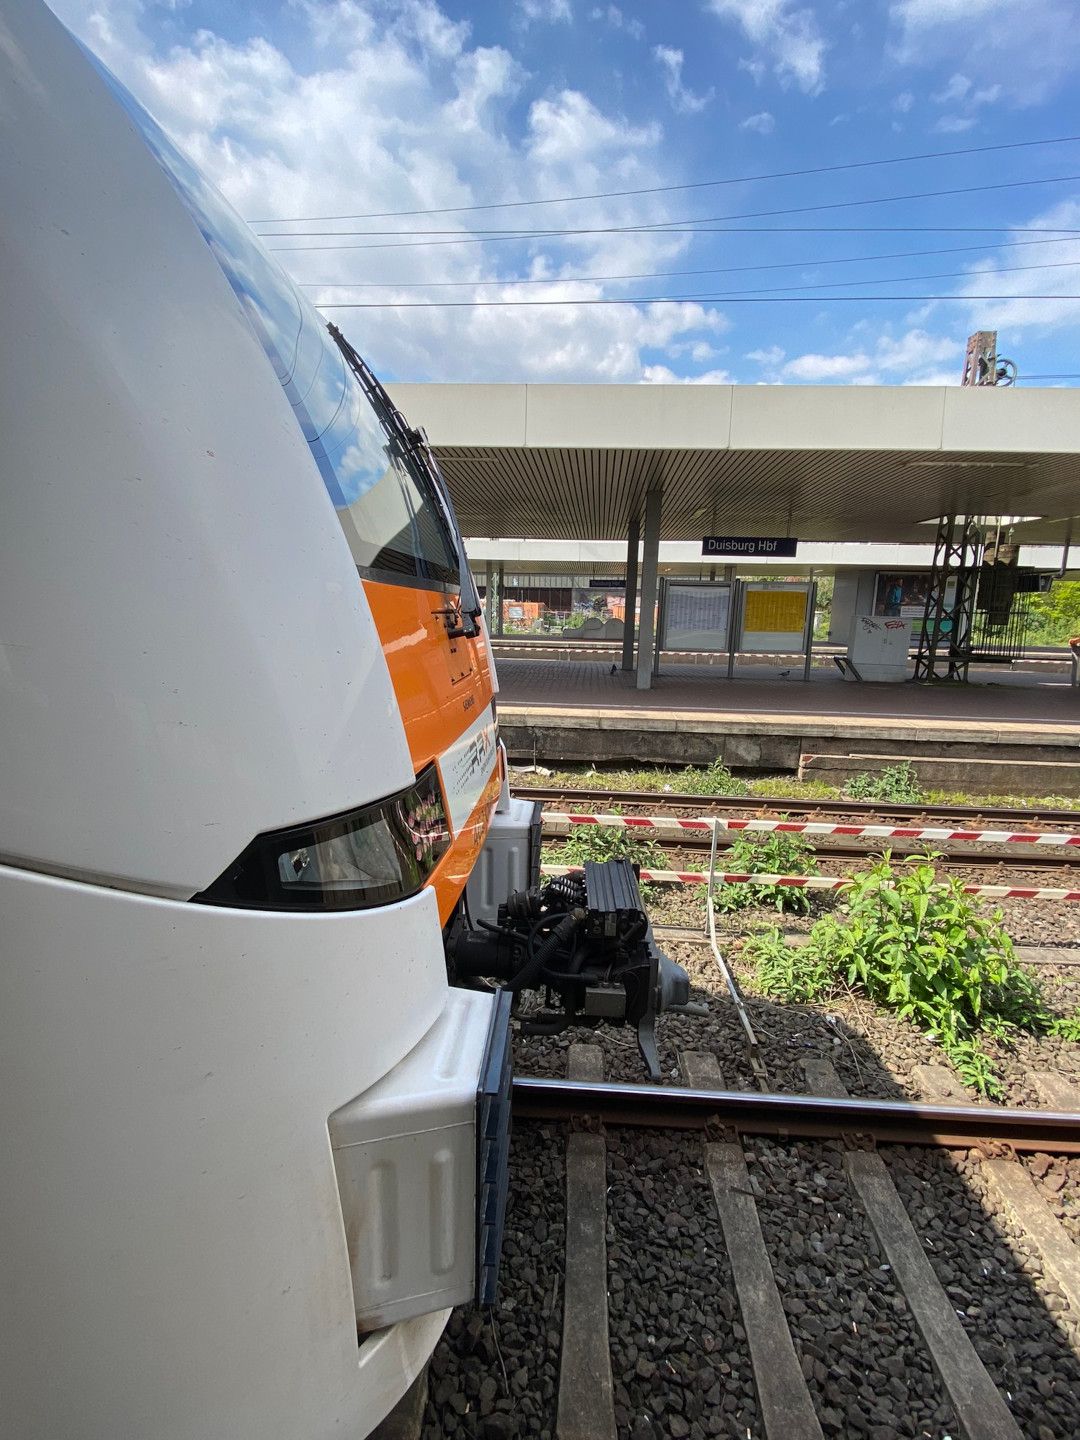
[
  {"x": 1017, "y": 1317},
  {"x": 495, "y": 1374},
  {"x": 679, "y": 1358},
  {"x": 866, "y": 1366}
]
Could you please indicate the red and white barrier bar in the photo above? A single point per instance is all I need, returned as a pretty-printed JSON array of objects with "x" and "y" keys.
[
  {"x": 558, "y": 822},
  {"x": 820, "y": 882}
]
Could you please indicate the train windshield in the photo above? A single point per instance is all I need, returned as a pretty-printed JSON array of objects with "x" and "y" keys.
[{"x": 393, "y": 522}]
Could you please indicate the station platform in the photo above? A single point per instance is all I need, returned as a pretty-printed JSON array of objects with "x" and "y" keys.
[{"x": 555, "y": 711}]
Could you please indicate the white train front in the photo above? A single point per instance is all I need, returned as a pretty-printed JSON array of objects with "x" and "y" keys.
[
  {"x": 254, "y": 1143},
  {"x": 188, "y": 661}
]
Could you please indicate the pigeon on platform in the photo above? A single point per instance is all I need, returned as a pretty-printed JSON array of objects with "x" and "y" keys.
[{"x": 614, "y": 670}]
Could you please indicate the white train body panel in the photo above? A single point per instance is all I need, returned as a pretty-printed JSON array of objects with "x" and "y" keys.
[
  {"x": 187, "y": 661},
  {"x": 186, "y": 657},
  {"x": 174, "y": 1260}
]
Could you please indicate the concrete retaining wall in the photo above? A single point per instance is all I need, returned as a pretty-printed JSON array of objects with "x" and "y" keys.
[
  {"x": 979, "y": 775},
  {"x": 614, "y": 739}
]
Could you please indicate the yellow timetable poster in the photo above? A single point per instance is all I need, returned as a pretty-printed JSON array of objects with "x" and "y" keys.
[{"x": 775, "y": 612}]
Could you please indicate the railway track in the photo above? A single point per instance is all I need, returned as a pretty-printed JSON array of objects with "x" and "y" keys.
[
  {"x": 946, "y": 859},
  {"x": 740, "y": 1264},
  {"x": 746, "y": 806},
  {"x": 1012, "y": 847}
]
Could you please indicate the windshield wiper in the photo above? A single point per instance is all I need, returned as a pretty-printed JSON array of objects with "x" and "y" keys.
[{"x": 414, "y": 444}]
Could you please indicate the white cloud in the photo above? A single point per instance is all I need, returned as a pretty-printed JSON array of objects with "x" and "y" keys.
[
  {"x": 545, "y": 12},
  {"x": 619, "y": 21},
  {"x": 788, "y": 36},
  {"x": 756, "y": 69},
  {"x": 903, "y": 102},
  {"x": 1021, "y": 311},
  {"x": 925, "y": 14},
  {"x": 1027, "y": 49},
  {"x": 568, "y": 129},
  {"x": 959, "y": 92},
  {"x": 915, "y": 349},
  {"x": 770, "y": 357},
  {"x": 396, "y": 109},
  {"x": 685, "y": 101},
  {"x": 913, "y": 355},
  {"x": 936, "y": 377},
  {"x": 954, "y": 124},
  {"x": 661, "y": 375},
  {"x": 762, "y": 123},
  {"x": 813, "y": 367},
  {"x": 958, "y": 88}
]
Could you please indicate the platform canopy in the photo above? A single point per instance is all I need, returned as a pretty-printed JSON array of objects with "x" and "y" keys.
[{"x": 815, "y": 462}]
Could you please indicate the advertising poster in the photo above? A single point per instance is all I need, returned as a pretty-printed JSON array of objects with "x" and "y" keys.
[{"x": 903, "y": 596}]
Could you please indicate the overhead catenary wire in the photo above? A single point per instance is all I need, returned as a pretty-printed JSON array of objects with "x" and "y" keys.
[
  {"x": 671, "y": 189},
  {"x": 872, "y": 280},
  {"x": 728, "y": 299},
  {"x": 1063, "y": 231},
  {"x": 667, "y": 226},
  {"x": 675, "y": 274}
]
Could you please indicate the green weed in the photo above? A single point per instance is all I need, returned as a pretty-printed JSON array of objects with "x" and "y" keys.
[
  {"x": 784, "y": 787},
  {"x": 919, "y": 947},
  {"x": 898, "y": 783},
  {"x": 788, "y": 972},
  {"x": 771, "y": 853},
  {"x": 610, "y": 842},
  {"x": 714, "y": 779}
]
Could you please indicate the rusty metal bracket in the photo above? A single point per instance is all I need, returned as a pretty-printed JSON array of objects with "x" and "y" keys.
[
  {"x": 586, "y": 1124},
  {"x": 721, "y": 1132},
  {"x": 990, "y": 1149},
  {"x": 858, "y": 1140}
]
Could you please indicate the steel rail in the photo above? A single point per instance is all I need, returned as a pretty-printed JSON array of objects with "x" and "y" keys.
[
  {"x": 688, "y": 827},
  {"x": 830, "y": 884},
  {"x": 550, "y": 795},
  {"x": 817, "y": 1117},
  {"x": 1018, "y": 859}
]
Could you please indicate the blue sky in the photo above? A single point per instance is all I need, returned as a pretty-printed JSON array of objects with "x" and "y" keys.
[{"x": 325, "y": 108}]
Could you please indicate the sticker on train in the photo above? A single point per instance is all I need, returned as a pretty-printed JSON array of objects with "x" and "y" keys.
[{"x": 466, "y": 768}]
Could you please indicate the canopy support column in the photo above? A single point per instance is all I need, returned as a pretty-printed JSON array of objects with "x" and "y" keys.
[
  {"x": 493, "y": 598},
  {"x": 633, "y": 538},
  {"x": 650, "y": 559}
]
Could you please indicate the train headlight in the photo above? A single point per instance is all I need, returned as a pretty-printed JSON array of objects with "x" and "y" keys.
[{"x": 371, "y": 856}]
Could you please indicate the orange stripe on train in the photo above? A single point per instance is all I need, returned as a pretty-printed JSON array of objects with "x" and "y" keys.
[{"x": 441, "y": 686}]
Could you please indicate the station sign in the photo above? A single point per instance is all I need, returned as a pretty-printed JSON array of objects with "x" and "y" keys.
[{"x": 741, "y": 547}]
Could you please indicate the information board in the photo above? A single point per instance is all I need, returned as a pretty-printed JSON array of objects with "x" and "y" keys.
[
  {"x": 774, "y": 617},
  {"x": 696, "y": 616}
]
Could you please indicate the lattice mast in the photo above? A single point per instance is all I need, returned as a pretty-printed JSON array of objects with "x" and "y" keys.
[{"x": 945, "y": 643}]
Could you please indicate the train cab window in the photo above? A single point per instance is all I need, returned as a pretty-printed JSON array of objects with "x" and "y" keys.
[{"x": 395, "y": 525}]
